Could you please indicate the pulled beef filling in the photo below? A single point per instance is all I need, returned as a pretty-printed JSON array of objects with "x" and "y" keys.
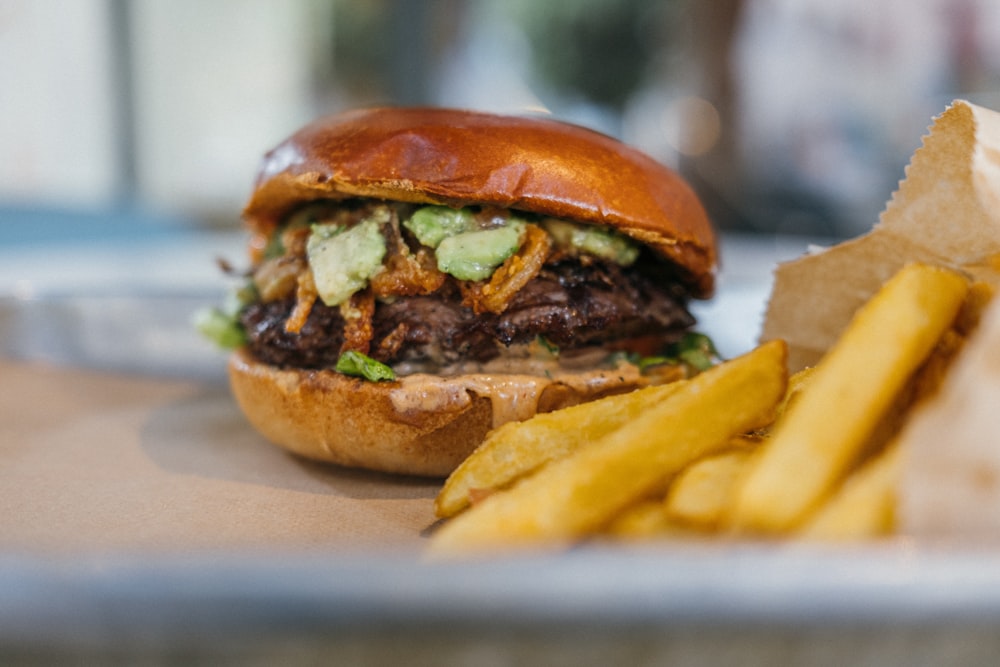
[{"x": 571, "y": 304}]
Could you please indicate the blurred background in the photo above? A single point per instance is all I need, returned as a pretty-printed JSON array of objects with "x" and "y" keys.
[
  {"x": 130, "y": 130},
  {"x": 789, "y": 116}
]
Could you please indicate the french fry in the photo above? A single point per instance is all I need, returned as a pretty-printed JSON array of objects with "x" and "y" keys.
[
  {"x": 852, "y": 388},
  {"x": 933, "y": 371},
  {"x": 519, "y": 448},
  {"x": 579, "y": 494},
  {"x": 864, "y": 506},
  {"x": 796, "y": 384},
  {"x": 701, "y": 493},
  {"x": 650, "y": 518},
  {"x": 644, "y": 520}
]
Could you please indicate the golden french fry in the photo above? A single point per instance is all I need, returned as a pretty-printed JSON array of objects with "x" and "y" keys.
[
  {"x": 579, "y": 494},
  {"x": 932, "y": 372},
  {"x": 519, "y": 448},
  {"x": 650, "y": 517},
  {"x": 644, "y": 520},
  {"x": 924, "y": 383},
  {"x": 701, "y": 493},
  {"x": 864, "y": 506},
  {"x": 796, "y": 383},
  {"x": 850, "y": 391}
]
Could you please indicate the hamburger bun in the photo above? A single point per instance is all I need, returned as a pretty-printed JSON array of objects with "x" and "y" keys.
[{"x": 327, "y": 416}]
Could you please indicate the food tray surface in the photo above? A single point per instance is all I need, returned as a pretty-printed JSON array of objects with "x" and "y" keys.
[{"x": 142, "y": 518}]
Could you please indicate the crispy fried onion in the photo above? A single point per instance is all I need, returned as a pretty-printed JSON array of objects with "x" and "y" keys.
[
  {"x": 358, "y": 329},
  {"x": 391, "y": 344},
  {"x": 276, "y": 278},
  {"x": 405, "y": 273},
  {"x": 519, "y": 269},
  {"x": 305, "y": 297}
]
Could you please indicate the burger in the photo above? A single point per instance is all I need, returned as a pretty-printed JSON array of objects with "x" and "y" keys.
[{"x": 418, "y": 277}]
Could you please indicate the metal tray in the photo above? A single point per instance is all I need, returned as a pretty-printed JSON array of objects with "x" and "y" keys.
[{"x": 149, "y": 333}]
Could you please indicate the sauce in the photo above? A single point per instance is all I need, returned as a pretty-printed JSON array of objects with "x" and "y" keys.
[{"x": 514, "y": 396}]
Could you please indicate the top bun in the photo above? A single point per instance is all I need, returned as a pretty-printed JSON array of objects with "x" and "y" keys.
[{"x": 460, "y": 158}]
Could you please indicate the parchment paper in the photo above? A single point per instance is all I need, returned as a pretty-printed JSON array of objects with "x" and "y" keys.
[
  {"x": 91, "y": 461},
  {"x": 946, "y": 212}
]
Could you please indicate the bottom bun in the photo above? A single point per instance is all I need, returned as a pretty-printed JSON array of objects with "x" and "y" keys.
[{"x": 423, "y": 425}]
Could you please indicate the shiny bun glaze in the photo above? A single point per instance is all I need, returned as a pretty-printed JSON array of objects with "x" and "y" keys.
[{"x": 452, "y": 157}]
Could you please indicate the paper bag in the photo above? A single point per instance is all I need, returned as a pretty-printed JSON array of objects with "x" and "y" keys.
[{"x": 946, "y": 212}]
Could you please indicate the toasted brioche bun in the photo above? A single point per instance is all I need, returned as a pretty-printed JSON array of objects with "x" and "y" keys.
[
  {"x": 326, "y": 416},
  {"x": 460, "y": 158}
]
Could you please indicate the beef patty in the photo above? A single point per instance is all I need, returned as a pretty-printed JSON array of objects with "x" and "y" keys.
[{"x": 569, "y": 304}]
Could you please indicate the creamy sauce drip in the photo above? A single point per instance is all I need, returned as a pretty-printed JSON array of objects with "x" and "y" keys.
[{"x": 514, "y": 396}]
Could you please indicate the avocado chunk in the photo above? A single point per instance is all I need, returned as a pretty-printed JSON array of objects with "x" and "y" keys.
[
  {"x": 594, "y": 240},
  {"x": 476, "y": 255},
  {"x": 344, "y": 259},
  {"x": 433, "y": 224}
]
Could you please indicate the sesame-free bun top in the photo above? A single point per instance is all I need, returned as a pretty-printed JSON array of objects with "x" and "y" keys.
[{"x": 461, "y": 158}]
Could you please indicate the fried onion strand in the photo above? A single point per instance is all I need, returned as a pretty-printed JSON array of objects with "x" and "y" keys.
[
  {"x": 305, "y": 298},
  {"x": 516, "y": 272}
]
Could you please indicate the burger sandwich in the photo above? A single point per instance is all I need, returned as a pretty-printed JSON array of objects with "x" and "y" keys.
[{"x": 420, "y": 276}]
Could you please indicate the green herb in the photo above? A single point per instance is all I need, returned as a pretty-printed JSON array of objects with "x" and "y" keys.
[
  {"x": 696, "y": 350},
  {"x": 647, "y": 362},
  {"x": 361, "y": 365},
  {"x": 221, "y": 325},
  {"x": 548, "y": 346},
  {"x": 275, "y": 247},
  {"x": 220, "y": 328}
]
